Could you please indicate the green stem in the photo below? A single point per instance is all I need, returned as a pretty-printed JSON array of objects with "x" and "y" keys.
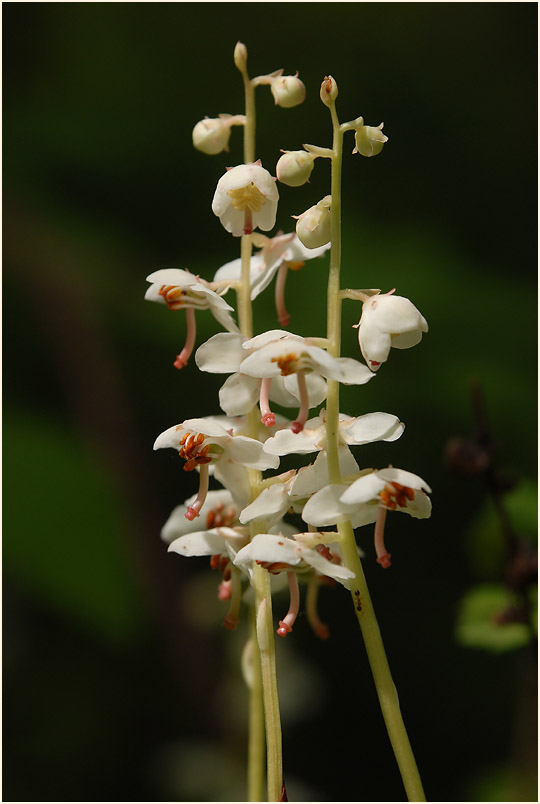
[
  {"x": 256, "y": 746},
  {"x": 261, "y": 579},
  {"x": 365, "y": 613}
]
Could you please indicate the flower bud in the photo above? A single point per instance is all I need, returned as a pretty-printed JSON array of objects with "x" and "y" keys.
[
  {"x": 329, "y": 90},
  {"x": 288, "y": 91},
  {"x": 369, "y": 140},
  {"x": 294, "y": 168},
  {"x": 211, "y": 135},
  {"x": 314, "y": 225},
  {"x": 240, "y": 56}
]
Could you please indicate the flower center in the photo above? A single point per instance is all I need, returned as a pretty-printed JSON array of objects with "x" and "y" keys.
[
  {"x": 193, "y": 451},
  {"x": 288, "y": 364},
  {"x": 173, "y": 296},
  {"x": 396, "y": 495},
  {"x": 221, "y": 517},
  {"x": 247, "y": 198}
]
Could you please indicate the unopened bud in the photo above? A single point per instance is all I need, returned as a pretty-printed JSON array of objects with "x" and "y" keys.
[
  {"x": 288, "y": 91},
  {"x": 314, "y": 225},
  {"x": 240, "y": 56},
  {"x": 294, "y": 168},
  {"x": 329, "y": 90},
  {"x": 369, "y": 140},
  {"x": 211, "y": 135}
]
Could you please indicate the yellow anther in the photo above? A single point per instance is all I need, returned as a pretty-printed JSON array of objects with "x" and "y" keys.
[{"x": 248, "y": 197}]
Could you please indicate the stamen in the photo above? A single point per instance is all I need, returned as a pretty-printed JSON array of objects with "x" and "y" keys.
[
  {"x": 193, "y": 510},
  {"x": 285, "y": 625},
  {"x": 286, "y": 363},
  {"x": 383, "y": 557},
  {"x": 182, "y": 358},
  {"x": 247, "y": 198},
  {"x": 298, "y": 425},
  {"x": 267, "y": 417},
  {"x": 320, "y": 629},
  {"x": 173, "y": 296},
  {"x": 282, "y": 314},
  {"x": 232, "y": 619}
]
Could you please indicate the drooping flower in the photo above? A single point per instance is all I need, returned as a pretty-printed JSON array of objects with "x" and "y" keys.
[
  {"x": 288, "y": 90},
  {"x": 279, "y": 254},
  {"x": 388, "y": 321},
  {"x": 181, "y": 290},
  {"x": 314, "y": 225},
  {"x": 367, "y": 498},
  {"x": 277, "y": 553},
  {"x": 369, "y": 139},
  {"x": 357, "y": 430},
  {"x": 292, "y": 354},
  {"x": 204, "y": 441},
  {"x": 218, "y": 510},
  {"x": 211, "y": 135},
  {"x": 224, "y": 353},
  {"x": 294, "y": 167},
  {"x": 245, "y": 199}
]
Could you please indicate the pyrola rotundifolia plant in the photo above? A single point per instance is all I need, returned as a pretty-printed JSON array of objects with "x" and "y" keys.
[{"x": 241, "y": 522}]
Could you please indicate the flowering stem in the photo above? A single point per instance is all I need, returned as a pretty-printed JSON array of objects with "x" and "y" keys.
[
  {"x": 260, "y": 577},
  {"x": 256, "y": 723},
  {"x": 365, "y": 613}
]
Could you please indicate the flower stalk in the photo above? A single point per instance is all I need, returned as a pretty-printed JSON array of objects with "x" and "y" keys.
[{"x": 363, "y": 606}]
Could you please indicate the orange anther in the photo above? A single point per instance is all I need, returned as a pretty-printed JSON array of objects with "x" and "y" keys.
[{"x": 286, "y": 363}]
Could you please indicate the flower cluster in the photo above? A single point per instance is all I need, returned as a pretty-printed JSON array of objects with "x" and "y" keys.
[{"x": 275, "y": 521}]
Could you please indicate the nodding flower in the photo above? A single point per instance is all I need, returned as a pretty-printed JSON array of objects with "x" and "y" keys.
[{"x": 246, "y": 198}]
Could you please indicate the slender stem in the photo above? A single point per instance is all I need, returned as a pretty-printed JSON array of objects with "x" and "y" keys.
[
  {"x": 256, "y": 744},
  {"x": 260, "y": 578},
  {"x": 365, "y": 613}
]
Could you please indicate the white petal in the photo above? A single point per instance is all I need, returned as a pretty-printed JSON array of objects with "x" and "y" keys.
[
  {"x": 313, "y": 477},
  {"x": 235, "y": 478},
  {"x": 272, "y": 549},
  {"x": 249, "y": 452},
  {"x": 221, "y": 354},
  {"x": 419, "y": 508},
  {"x": 343, "y": 369},
  {"x": 268, "y": 337},
  {"x": 395, "y": 314},
  {"x": 207, "y": 542},
  {"x": 177, "y": 525},
  {"x": 316, "y": 388},
  {"x": 326, "y": 508},
  {"x": 325, "y": 567},
  {"x": 224, "y": 318},
  {"x": 285, "y": 442},
  {"x": 297, "y": 252},
  {"x": 271, "y": 502},
  {"x": 374, "y": 344},
  {"x": 407, "y": 339},
  {"x": 403, "y": 478},
  {"x": 172, "y": 276},
  {"x": 231, "y": 270},
  {"x": 366, "y": 488},
  {"x": 239, "y": 394},
  {"x": 208, "y": 425},
  {"x": 372, "y": 427},
  {"x": 168, "y": 438}
]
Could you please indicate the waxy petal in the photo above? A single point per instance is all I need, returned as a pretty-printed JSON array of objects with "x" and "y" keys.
[
  {"x": 238, "y": 394},
  {"x": 372, "y": 427},
  {"x": 221, "y": 354}
]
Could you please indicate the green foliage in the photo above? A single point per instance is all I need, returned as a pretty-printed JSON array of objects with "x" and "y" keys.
[
  {"x": 477, "y": 625},
  {"x": 64, "y": 526}
]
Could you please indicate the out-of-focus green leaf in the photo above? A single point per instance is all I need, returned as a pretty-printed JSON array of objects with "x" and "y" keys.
[
  {"x": 522, "y": 507},
  {"x": 64, "y": 527},
  {"x": 477, "y": 625}
]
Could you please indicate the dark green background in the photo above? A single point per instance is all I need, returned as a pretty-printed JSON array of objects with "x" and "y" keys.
[{"x": 119, "y": 682}]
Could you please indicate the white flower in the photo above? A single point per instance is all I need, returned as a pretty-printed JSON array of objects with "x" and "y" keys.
[
  {"x": 294, "y": 167},
  {"x": 314, "y": 225},
  {"x": 204, "y": 441},
  {"x": 224, "y": 353},
  {"x": 369, "y": 140},
  {"x": 284, "y": 248},
  {"x": 388, "y": 321},
  {"x": 211, "y": 135},
  {"x": 352, "y": 430},
  {"x": 279, "y": 553},
  {"x": 288, "y": 90},
  {"x": 367, "y": 499},
  {"x": 180, "y": 290},
  {"x": 273, "y": 501},
  {"x": 246, "y": 198},
  {"x": 219, "y": 510}
]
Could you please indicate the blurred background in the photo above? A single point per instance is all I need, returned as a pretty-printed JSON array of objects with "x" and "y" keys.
[{"x": 120, "y": 682}]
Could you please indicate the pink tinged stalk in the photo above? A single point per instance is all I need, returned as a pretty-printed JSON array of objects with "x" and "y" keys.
[
  {"x": 232, "y": 619},
  {"x": 298, "y": 425},
  {"x": 320, "y": 629},
  {"x": 383, "y": 556},
  {"x": 285, "y": 625},
  {"x": 267, "y": 417},
  {"x": 193, "y": 510},
  {"x": 183, "y": 357},
  {"x": 282, "y": 314}
]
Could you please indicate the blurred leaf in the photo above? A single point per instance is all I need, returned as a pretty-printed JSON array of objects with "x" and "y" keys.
[
  {"x": 485, "y": 540},
  {"x": 64, "y": 526},
  {"x": 477, "y": 625}
]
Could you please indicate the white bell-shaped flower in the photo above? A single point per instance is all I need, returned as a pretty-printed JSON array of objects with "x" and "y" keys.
[
  {"x": 313, "y": 226},
  {"x": 246, "y": 198},
  {"x": 388, "y": 321},
  {"x": 288, "y": 91},
  {"x": 294, "y": 167}
]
